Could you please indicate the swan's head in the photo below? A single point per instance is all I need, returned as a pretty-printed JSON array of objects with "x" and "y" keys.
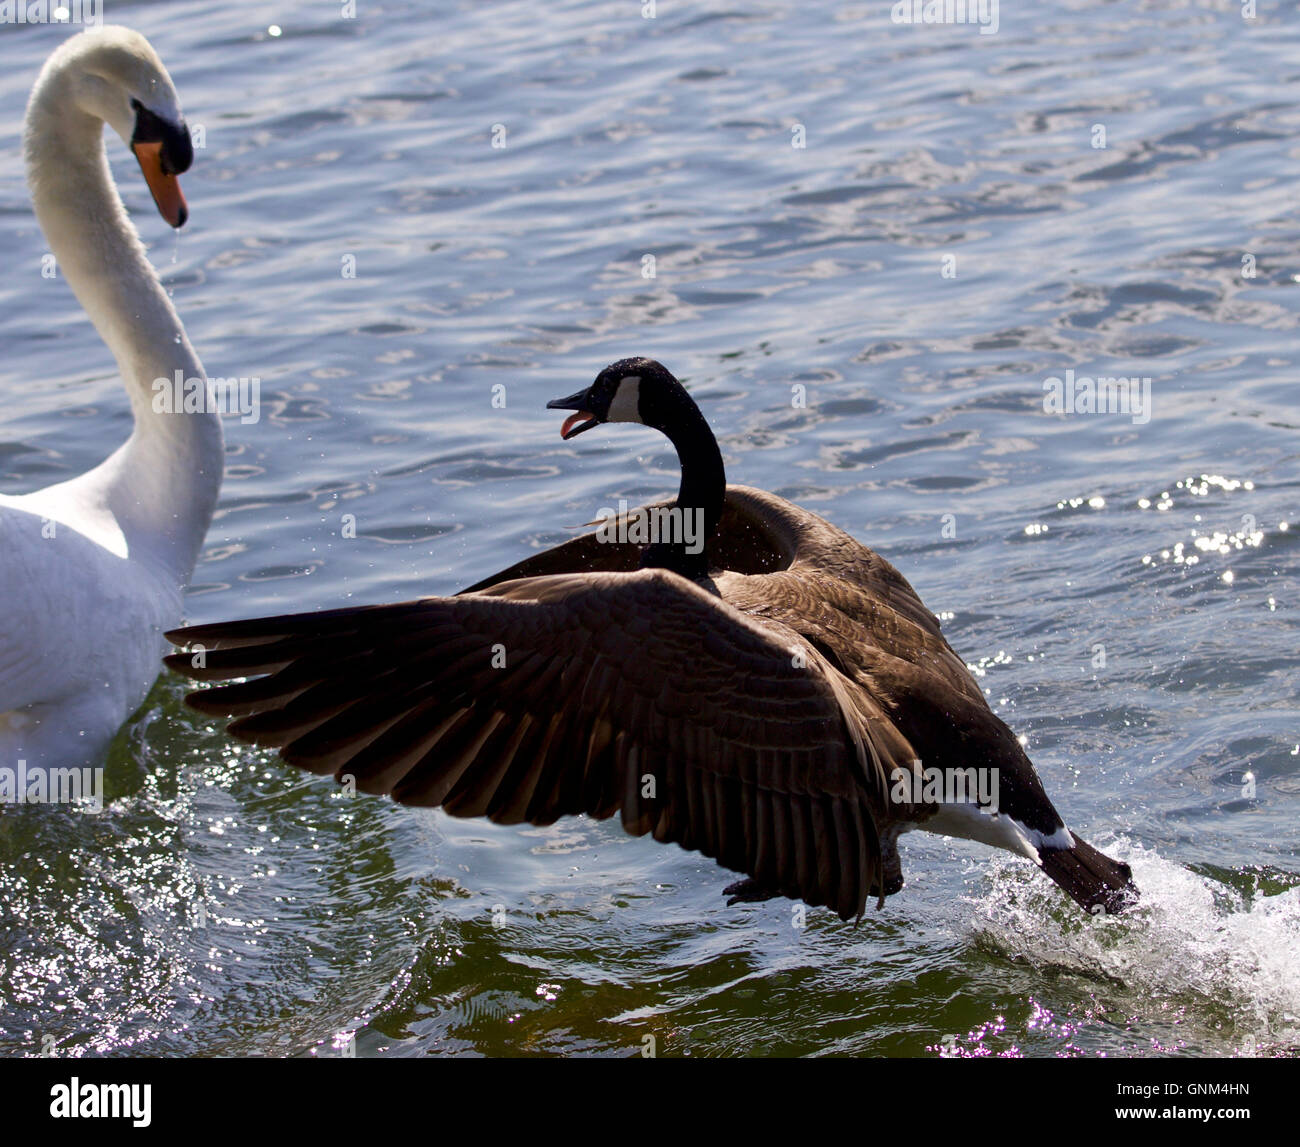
[
  {"x": 117, "y": 77},
  {"x": 630, "y": 390}
]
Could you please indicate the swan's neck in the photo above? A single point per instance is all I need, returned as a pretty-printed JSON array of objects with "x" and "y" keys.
[
  {"x": 162, "y": 485},
  {"x": 701, "y": 495}
]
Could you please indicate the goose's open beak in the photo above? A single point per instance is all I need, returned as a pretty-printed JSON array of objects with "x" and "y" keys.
[
  {"x": 163, "y": 185},
  {"x": 575, "y": 424}
]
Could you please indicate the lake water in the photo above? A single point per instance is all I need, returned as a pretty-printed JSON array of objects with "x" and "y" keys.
[{"x": 949, "y": 237}]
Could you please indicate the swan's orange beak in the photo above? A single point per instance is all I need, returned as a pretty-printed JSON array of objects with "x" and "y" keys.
[{"x": 164, "y": 187}]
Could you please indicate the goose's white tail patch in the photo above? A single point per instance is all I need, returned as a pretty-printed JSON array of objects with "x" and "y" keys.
[{"x": 970, "y": 822}]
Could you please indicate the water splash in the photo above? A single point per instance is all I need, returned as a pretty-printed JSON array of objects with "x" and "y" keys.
[{"x": 1192, "y": 942}]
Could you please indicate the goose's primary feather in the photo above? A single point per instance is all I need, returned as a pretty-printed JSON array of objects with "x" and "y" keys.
[
  {"x": 760, "y": 713},
  {"x": 92, "y": 569}
]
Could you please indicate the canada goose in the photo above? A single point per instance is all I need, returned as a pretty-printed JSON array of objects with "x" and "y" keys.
[
  {"x": 92, "y": 570},
  {"x": 774, "y": 702}
]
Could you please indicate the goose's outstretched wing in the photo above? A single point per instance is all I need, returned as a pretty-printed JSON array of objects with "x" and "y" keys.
[{"x": 638, "y": 693}]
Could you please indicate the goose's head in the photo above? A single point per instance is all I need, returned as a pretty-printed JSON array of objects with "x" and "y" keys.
[
  {"x": 630, "y": 390},
  {"x": 644, "y": 391},
  {"x": 117, "y": 77}
]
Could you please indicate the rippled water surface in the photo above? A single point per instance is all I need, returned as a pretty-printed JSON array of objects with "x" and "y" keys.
[{"x": 223, "y": 904}]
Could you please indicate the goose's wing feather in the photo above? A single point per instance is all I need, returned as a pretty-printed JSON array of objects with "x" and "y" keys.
[
  {"x": 761, "y": 532},
  {"x": 758, "y": 532},
  {"x": 637, "y": 693},
  {"x": 589, "y": 553}
]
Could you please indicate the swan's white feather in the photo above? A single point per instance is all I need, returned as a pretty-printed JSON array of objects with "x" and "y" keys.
[{"x": 77, "y": 653}]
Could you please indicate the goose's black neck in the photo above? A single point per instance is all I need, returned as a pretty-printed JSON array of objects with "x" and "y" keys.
[{"x": 701, "y": 495}]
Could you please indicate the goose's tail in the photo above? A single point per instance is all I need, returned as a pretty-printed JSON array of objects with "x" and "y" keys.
[{"x": 1090, "y": 878}]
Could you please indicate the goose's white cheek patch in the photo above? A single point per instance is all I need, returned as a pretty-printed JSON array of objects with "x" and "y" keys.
[{"x": 626, "y": 406}]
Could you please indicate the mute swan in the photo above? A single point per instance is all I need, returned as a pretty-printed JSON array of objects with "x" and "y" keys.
[
  {"x": 92, "y": 569},
  {"x": 776, "y": 700}
]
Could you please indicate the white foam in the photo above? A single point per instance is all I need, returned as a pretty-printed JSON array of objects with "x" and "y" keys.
[{"x": 1190, "y": 939}]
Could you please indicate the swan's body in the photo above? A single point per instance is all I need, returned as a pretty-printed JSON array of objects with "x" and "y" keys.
[
  {"x": 760, "y": 700},
  {"x": 92, "y": 570}
]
